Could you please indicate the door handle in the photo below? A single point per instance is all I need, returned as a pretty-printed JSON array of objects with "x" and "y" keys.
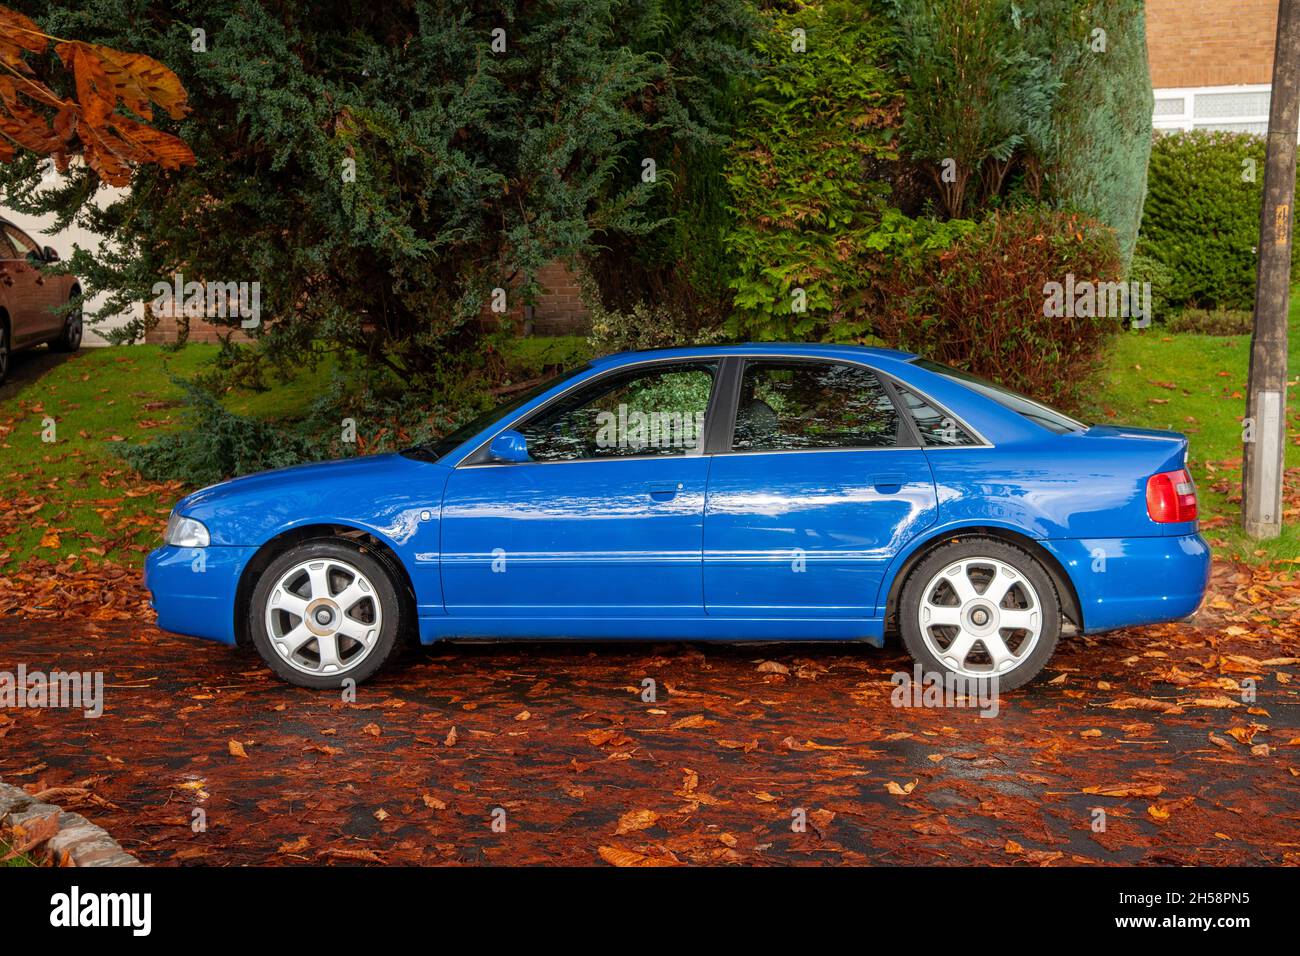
[
  {"x": 664, "y": 491},
  {"x": 888, "y": 484}
]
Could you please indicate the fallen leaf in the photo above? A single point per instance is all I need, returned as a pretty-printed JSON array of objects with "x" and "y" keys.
[
  {"x": 1126, "y": 790},
  {"x": 635, "y": 820},
  {"x": 620, "y": 857}
]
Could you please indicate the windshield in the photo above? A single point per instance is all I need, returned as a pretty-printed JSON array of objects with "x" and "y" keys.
[
  {"x": 434, "y": 450},
  {"x": 1036, "y": 412}
]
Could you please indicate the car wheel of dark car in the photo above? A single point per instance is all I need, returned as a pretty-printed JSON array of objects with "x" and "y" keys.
[
  {"x": 981, "y": 610},
  {"x": 323, "y": 612},
  {"x": 70, "y": 339}
]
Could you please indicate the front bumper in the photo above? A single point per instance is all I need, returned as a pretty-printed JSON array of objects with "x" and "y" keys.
[
  {"x": 193, "y": 589},
  {"x": 1123, "y": 582}
]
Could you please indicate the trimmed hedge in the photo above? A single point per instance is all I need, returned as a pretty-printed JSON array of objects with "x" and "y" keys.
[{"x": 1201, "y": 218}]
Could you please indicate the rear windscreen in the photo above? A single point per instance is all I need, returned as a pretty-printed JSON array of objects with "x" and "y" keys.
[{"x": 1036, "y": 412}]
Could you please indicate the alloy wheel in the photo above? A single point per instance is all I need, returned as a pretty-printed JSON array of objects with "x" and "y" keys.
[
  {"x": 980, "y": 617},
  {"x": 323, "y": 617}
]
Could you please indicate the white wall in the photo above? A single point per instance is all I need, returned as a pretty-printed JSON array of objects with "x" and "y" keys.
[{"x": 39, "y": 229}]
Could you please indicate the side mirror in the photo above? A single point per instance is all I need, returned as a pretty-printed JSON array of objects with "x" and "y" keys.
[
  {"x": 509, "y": 446},
  {"x": 51, "y": 254}
]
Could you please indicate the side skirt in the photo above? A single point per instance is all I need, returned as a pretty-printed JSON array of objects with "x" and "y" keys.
[{"x": 698, "y": 628}]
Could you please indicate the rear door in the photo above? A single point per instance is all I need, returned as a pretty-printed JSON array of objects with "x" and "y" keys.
[{"x": 816, "y": 489}]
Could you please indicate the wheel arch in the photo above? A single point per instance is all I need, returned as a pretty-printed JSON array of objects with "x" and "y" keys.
[
  {"x": 1065, "y": 590},
  {"x": 367, "y": 540}
]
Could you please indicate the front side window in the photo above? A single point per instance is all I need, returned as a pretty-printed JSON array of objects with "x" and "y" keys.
[
  {"x": 654, "y": 410},
  {"x": 937, "y": 428},
  {"x": 21, "y": 242},
  {"x": 790, "y": 405},
  {"x": 440, "y": 448}
]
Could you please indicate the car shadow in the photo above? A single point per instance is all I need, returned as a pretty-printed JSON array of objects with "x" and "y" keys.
[{"x": 26, "y": 367}]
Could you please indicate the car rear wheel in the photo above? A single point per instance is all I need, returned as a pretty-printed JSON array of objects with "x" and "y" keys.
[
  {"x": 69, "y": 339},
  {"x": 982, "y": 610},
  {"x": 4, "y": 352},
  {"x": 323, "y": 612}
]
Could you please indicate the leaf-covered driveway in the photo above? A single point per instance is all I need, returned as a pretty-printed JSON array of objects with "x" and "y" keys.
[{"x": 536, "y": 753}]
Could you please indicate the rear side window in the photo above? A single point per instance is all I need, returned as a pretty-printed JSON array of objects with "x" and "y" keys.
[
  {"x": 937, "y": 427},
  {"x": 1036, "y": 412},
  {"x": 790, "y": 406}
]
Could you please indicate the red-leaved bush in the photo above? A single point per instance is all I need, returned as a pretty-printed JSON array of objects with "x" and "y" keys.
[{"x": 979, "y": 305}]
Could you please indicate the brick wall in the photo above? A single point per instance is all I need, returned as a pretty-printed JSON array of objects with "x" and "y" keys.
[
  {"x": 558, "y": 310},
  {"x": 1210, "y": 42},
  {"x": 200, "y": 331}
]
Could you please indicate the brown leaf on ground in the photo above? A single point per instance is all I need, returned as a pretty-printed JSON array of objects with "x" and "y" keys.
[
  {"x": 635, "y": 820},
  {"x": 616, "y": 856}
]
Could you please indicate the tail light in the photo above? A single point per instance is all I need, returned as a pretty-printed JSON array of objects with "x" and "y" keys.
[{"x": 1171, "y": 496}]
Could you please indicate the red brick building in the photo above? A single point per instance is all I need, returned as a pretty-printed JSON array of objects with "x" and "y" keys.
[{"x": 1211, "y": 63}]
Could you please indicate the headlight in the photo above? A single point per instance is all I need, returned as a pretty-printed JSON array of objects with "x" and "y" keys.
[{"x": 186, "y": 533}]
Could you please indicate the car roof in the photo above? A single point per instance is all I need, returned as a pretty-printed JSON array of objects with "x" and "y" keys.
[{"x": 856, "y": 352}]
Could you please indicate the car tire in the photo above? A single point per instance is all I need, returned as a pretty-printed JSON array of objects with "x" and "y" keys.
[
  {"x": 983, "y": 610},
  {"x": 5, "y": 354},
  {"x": 348, "y": 614},
  {"x": 69, "y": 339}
]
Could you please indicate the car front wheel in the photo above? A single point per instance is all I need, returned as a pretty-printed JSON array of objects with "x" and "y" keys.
[
  {"x": 324, "y": 612},
  {"x": 982, "y": 610}
]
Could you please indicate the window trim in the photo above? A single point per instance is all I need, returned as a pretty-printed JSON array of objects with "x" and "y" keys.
[
  {"x": 720, "y": 418},
  {"x": 480, "y": 450}
]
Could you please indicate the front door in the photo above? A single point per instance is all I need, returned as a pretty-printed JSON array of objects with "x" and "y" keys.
[
  {"x": 820, "y": 487},
  {"x": 605, "y": 520},
  {"x": 21, "y": 289}
]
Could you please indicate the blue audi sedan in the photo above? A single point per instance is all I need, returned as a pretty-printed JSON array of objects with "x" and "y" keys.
[{"x": 753, "y": 492}]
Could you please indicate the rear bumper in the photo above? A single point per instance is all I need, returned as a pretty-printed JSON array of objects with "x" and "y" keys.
[
  {"x": 1123, "y": 582},
  {"x": 193, "y": 589}
]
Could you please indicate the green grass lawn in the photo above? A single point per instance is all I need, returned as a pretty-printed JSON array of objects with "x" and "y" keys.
[
  {"x": 19, "y": 860},
  {"x": 1196, "y": 384}
]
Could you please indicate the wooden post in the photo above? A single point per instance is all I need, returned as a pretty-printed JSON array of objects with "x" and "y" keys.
[{"x": 1264, "y": 437}]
